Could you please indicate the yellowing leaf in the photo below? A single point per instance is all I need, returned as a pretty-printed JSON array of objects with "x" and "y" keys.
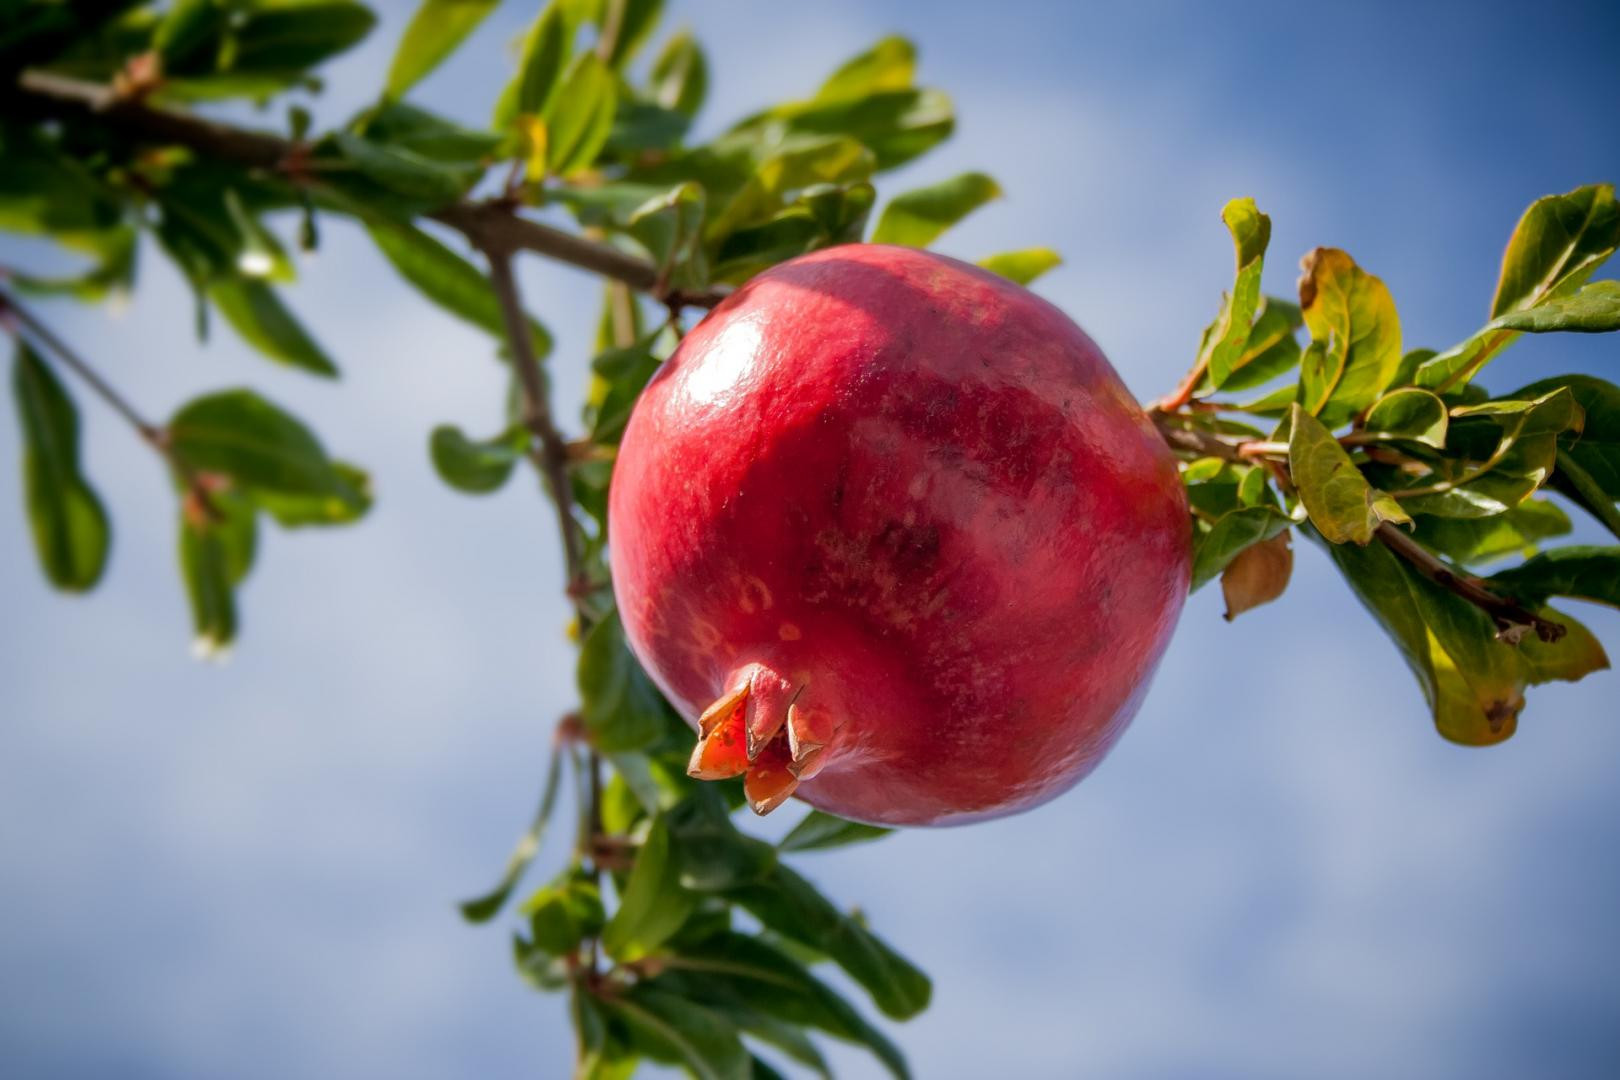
[
  {"x": 1342, "y": 505},
  {"x": 1352, "y": 321}
]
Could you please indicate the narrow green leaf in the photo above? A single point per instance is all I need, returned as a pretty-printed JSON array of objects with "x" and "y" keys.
[
  {"x": 1251, "y": 233},
  {"x": 669, "y": 1028},
  {"x": 546, "y": 49},
  {"x": 619, "y": 706},
  {"x": 916, "y": 218},
  {"x": 738, "y": 971},
  {"x": 1351, "y": 316},
  {"x": 790, "y": 905},
  {"x": 256, "y": 313},
  {"x": 65, "y": 515},
  {"x": 1594, "y": 309},
  {"x": 1342, "y": 505},
  {"x": 818, "y": 830},
  {"x": 434, "y": 32},
  {"x": 580, "y": 117},
  {"x": 708, "y": 849},
  {"x": 1559, "y": 242},
  {"x": 348, "y": 502},
  {"x": 448, "y": 280},
  {"x": 891, "y": 64},
  {"x": 237, "y": 433},
  {"x": 1479, "y": 540},
  {"x": 653, "y": 905},
  {"x": 1569, "y": 659},
  {"x": 1270, "y": 349},
  {"x": 1582, "y": 572},
  {"x": 1234, "y": 532},
  {"x": 1024, "y": 265},
  {"x": 485, "y": 907},
  {"x": 629, "y": 23},
  {"x": 475, "y": 467},
  {"x": 680, "y": 75},
  {"x": 402, "y": 172},
  {"x": 1409, "y": 414},
  {"x": 564, "y": 913}
]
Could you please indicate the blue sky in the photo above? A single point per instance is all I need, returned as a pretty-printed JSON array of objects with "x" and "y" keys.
[{"x": 249, "y": 869}]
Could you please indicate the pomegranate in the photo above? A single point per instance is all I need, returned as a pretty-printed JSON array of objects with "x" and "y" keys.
[{"x": 891, "y": 533}]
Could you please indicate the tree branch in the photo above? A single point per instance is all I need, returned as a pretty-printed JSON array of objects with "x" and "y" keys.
[
  {"x": 1511, "y": 619},
  {"x": 489, "y": 225},
  {"x": 551, "y": 455}
]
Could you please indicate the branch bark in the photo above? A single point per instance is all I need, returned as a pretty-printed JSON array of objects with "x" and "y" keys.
[{"x": 489, "y": 224}]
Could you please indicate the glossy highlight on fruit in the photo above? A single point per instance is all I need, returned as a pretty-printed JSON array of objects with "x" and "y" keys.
[{"x": 890, "y": 531}]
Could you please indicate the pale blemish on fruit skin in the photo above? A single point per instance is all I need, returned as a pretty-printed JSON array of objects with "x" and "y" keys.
[{"x": 940, "y": 485}]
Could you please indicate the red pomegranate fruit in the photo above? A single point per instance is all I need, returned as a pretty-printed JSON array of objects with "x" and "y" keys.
[{"x": 891, "y": 533}]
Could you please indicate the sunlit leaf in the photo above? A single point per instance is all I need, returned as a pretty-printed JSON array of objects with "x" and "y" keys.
[
  {"x": 238, "y": 434},
  {"x": 1409, "y": 414},
  {"x": 917, "y": 218},
  {"x": 1342, "y": 505},
  {"x": 1481, "y": 539},
  {"x": 1251, "y": 233},
  {"x": 1022, "y": 266},
  {"x": 580, "y": 117},
  {"x": 680, "y": 75},
  {"x": 891, "y": 64},
  {"x": 1352, "y": 319},
  {"x": 433, "y": 33},
  {"x": 1594, "y": 309},
  {"x": 546, "y": 50},
  {"x": 1569, "y": 659}
]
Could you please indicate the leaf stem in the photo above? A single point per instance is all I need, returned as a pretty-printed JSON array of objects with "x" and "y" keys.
[{"x": 479, "y": 220}]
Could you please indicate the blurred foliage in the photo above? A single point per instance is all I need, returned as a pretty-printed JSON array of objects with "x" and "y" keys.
[{"x": 678, "y": 938}]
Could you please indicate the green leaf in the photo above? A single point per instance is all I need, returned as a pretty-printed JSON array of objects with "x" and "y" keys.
[
  {"x": 1232, "y": 533},
  {"x": 237, "y": 433},
  {"x": 1473, "y": 682},
  {"x": 580, "y": 117},
  {"x": 1342, "y": 505},
  {"x": 1596, "y": 446},
  {"x": 564, "y": 913},
  {"x": 1569, "y": 659},
  {"x": 212, "y": 50},
  {"x": 348, "y": 503},
  {"x": 669, "y": 1028},
  {"x": 1594, "y": 309},
  {"x": 1582, "y": 572},
  {"x": 1022, "y": 266},
  {"x": 65, "y": 515},
  {"x": 891, "y": 64},
  {"x": 263, "y": 321},
  {"x": 402, "y": 172},
  {"x": 448, "y": 280},
  {"x": 1411, "y": 415},
  {"x": 680, "y": 75},
  {"x": 653, "y": 905},
  {"x": 112, "y": 272},
  {"x": 1251, "y": 233},
  {"x": 434, "y": 32},
  {"x": 916, "y": 218},
  {"x": 1559, "y": 242},
  {"x": 710, "y": 852},
  {"x": 1351, "y": 316},
  {"x": 897, "y": 126},
  {"x": 739, "y": 972},
  {"x": 476, "y": 467},
  {"x": 1525, "y": 434},
  {"x": 1478, "y": 540},
  {"x": 485, "y": 907},
  {"x": 216, "y": 551},
  {"x": 546, "y": 49},
  {"x": 428, "y": 135},
  {"x": 630, "y": 23},
  {"x": 1270, "y": 349},
  {"x": 818, "y": 830},
  {"x": 619, "y": 706},
  {"x": 790, "y": 905}
]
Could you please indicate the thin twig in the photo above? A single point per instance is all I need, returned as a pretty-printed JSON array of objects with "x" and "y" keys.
[
  {"x": 58, "y": 95},
  {"x": 551, "y": 455},
  {"x": 37, "y": 329}
]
